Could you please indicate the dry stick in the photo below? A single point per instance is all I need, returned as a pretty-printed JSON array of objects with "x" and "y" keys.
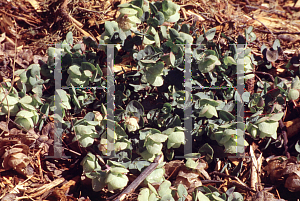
[
  {"x": 278, "y": 32},
  {"x": 264, "y": 26},
  {"x": 239, "y": 183},
  {"x": 285, "y": 139},
  {"x": 98, "y": 12},
  {"x": 18, "y": 125},
  {"x": 285, "y": 56},
  {"x": 131, "y": 188},
  {"x": 97, "y": 155},
  {"x": 278, "y": 12},
  {"x": 66, "y": 15},
  {"x": 211, "y": 181}
]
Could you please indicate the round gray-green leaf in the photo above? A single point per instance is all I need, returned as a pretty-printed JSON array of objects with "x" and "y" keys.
[
  {"x": 75, "y": 69},
  {"x": 181, "y": 190},
  {"x": 190, "y": 163},
  {"x": 35, "y": 70},
  {"x": 128, "y": 11},
  {"x": 210, "y": 102},
  {"x": 176, "y": 139},
  {"x": 169, "y": 8},
  {"x": 226, "y": 116},
  {"x": 173, "y": 34},
  {"x": 9, "y": 100},
  {"x": 26, "y": 99},
  {"x": 276, "y": 117},
  {"x": 210, "y": 34},
  {"x": 208, "y": 111},
  {"x": 293, "y": 94},
  {"x": 156, "y": 176},
  {"x": 153, "y": 197},
  {"x": 160, "y": 17},
  {"x": 116, "y": 181},
  {"x": 27, "y": 123},
  {"x": 187, "y": 37},
  {"x": 153, "y": 147},
  {"x": 202, "y": 197},
  {"x": 119, "y": 170},
  {"x": 85, "y": 130},
  {"x": 164, "y": 188},
  {"x": 268, "y": 129},
  {"x": 144, "y": 194},
  {"x": 167, "y": 197},
  {"x": 208, "y": 64},
  {"x": 158, "y": 137},
  {"x": 85, "y": 141},
  {"x": 24, "y": 114}
]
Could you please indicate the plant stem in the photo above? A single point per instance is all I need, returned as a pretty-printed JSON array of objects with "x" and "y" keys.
[{"x": 131, "y": 188}]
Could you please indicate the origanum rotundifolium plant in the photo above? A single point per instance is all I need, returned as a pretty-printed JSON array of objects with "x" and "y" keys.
[{"x": 159, "y": 52}]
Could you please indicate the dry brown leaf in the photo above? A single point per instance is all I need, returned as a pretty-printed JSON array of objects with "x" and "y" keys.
[
  {"x": 264, "y": 195},
  {"x": 35, "y": 5},
  {"x": 189, "y": 178},
  {"x": 278, "y": 168},
  {"x": 49, "y": 130},
  {"x": 2, "y": 37},
  {"x": 201, "y": 168},
  {"x": 3, "y": 126},
  {"x": 30, "y": 137},
  {"x": 292, "y": 127},
  {"x": 41, "y": 190},
  {"x": 27, "y": 55},
  {"x": 173, "y": 167},
  {"x": 293, "y": 183},
  {"x": 16, "y": 157}
]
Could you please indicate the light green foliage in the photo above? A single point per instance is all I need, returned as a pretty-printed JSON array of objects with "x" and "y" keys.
[
  {"x": 293, "y": 93},
  {"x": 30, "y": 79}
]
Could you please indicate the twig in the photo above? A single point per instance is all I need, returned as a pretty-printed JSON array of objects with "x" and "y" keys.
[
  {"x": 66, "y": 15},
  {"x": 18, "y": 125},
  {"x": 278, "y": 32},
  {"x": 264, "y": 26},
  {"x": 211, "y": 181},
  {"x": 247, "y": 2},
  {"x": 98, "y": 12},
  {"x": 16, "y": 187},
  {"x": 97, "y": 155},
  {"x": 278, "y": 12},
  {"x": 131, "y": 188},
  {"x": 239, "y": 183},
  {"x": 264, "y": 73},
  {"x": 243, "y": 186},
  {"x": 285, "y": 139}
]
